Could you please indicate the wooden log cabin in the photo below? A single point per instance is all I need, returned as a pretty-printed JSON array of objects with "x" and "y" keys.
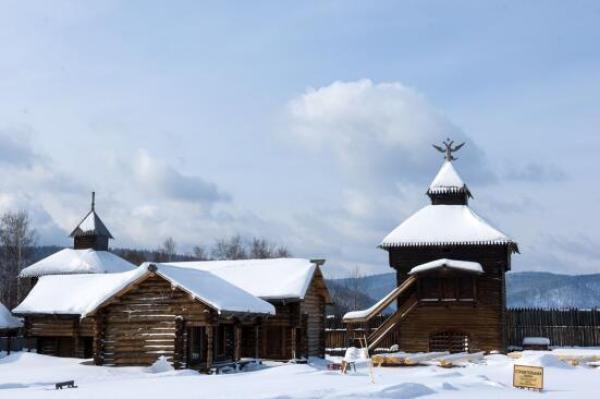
[
  {"x": 191, "y": 314},
  {"x": 450, "y": 273},
  {"x": 295, "y": 287}
]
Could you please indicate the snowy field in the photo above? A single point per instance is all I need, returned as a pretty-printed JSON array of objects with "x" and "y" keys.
[{"x": 28, "y": 375}]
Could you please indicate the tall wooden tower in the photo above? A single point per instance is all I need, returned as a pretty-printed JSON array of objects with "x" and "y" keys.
[{"x": 450, "y": 266}]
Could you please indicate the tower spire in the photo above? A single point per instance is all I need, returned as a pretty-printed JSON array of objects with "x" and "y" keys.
[
  {"x": 93, "y": 200},
  {"x": 448, "y": 149}
]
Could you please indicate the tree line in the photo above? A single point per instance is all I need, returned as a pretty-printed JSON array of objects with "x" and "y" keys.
[{"x": 19, "y": 249}]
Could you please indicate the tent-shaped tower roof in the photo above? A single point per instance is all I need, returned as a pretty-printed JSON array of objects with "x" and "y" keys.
[
  {"x": 91, "y": 224},
  {"x": 448, "y": 220}
]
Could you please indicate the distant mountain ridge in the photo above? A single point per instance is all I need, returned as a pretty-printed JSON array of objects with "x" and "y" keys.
[{"x": 524, "y": 289}]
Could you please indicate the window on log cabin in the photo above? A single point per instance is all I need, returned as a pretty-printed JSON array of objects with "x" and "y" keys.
[
  {"x": 447, "y": 289},
  {"x": 466, "y": 288},
  {"x": 430, "y": 289},
  {"x": 449, "y": 341}
]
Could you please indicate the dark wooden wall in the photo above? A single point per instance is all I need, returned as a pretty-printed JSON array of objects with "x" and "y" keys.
[
  {"x": 564, "y": 327},
  {"x": 484, "y": 323},
  {"x": 64, "y": 336}
]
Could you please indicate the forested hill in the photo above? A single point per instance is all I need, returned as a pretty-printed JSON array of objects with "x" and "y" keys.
[{"x": 525, "y": 289}]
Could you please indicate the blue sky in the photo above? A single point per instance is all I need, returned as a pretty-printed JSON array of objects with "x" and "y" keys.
[{"x": 308, "y": 123}]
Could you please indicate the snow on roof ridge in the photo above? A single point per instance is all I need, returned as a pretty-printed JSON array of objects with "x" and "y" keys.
[
  {"x": 463, "y": 265},
  {"x": 292, "y": 274},
  {"x": 169, "y": 271},
  {"x": 435, "y": 225},
  {"x": 78, "y": 261}
]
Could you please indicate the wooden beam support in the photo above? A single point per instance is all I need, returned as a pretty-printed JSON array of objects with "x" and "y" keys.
[
  {"x": 209, "y": 346},
  {"x": 237, "y": 342}
]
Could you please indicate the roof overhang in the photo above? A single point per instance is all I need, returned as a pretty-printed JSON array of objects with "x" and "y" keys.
[
  {"x": 447, "y": 265},
  {"x": 512, "y": 246}
]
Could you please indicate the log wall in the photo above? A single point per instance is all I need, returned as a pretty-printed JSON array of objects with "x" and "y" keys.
[
  {"x": 314, "y": 307},
  {"x": 141, "y": 325},
  {"x": 481, "y": 321}
]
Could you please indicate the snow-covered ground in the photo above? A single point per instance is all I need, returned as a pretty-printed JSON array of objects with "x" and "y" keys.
[{"x": 28, "y": 375}]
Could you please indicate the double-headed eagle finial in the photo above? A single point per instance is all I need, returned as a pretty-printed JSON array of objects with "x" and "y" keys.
[{"x": 449, "y": 149}]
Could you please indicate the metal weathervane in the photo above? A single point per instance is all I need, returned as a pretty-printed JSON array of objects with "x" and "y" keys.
[{"x": 448, "y": 149}]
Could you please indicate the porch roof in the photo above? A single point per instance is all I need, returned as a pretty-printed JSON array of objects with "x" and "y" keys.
[{"x": 461, "y": 265}]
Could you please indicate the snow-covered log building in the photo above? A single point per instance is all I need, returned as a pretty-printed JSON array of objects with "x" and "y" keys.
[
  {"x": 197, "y": 314},
  {"x": 297, "y": 290},
  {"x": 450, "y": 266}
]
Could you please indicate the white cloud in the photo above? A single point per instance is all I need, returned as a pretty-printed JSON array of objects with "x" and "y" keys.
[
  {"x": 375, "y": 131},
  {"x": 156, "y": 177}
]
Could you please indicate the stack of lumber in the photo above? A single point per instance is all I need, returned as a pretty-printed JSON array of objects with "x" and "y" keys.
[
  {"x": 406, "y": 359},
  {"x": 458, "y": 359},
  {"x": 575, "y": 360}
]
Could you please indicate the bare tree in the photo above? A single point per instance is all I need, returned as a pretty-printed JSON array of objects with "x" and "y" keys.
[
  {"x": 238, "y": 248},
  {"x": 282, "y": 252},
  {"x": 232, "y": 248},
  {"x": 17, "y": 240},
  {"x": 261, "y": 249},
  {"x": 200, "y": 253},
  {"x": 168, "y": 250},
  {"x": 356, "y": 283}
]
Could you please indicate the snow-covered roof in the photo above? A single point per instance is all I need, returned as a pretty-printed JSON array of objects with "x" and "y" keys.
[
  {"x": 74, "y": 294},
  {"x": 213, "y": 290},
  {"x": 91, "y": 224},
  {"x": 81, "y": 294},
  {"x": 279, "y": 278},
  {"x": 461, "y": 265},
  {"x": 78, "y": 261},
  {"x": 445, "y": 225},
  {"x": 447, "y": 180},
  {"x": 7, "y": 320}
]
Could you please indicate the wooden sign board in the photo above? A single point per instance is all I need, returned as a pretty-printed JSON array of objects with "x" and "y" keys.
[{"x": 531, "y": 377}]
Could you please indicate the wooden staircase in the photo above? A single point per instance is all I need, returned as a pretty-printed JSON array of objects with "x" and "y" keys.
[
  {"x": 391, "y": 322},
  {"x": 406, "y": 290}
]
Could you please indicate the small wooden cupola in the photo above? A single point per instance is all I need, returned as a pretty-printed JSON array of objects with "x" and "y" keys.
[
  {"x": 91, "y": 233},
  {"x": 448, "y": 188}
]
